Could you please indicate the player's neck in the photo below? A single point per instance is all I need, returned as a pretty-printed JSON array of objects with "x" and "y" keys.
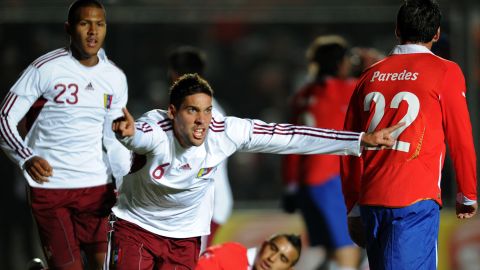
[
  {"x": 84, "y": 59},
  {"x": 428, "y": 44}
]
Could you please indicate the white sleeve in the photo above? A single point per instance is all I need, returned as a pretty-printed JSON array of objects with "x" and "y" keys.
[
  {"x": 148, "y": 136},
  {"x": 258, "y": 136},
  {"x": 16, "y": 104},
  {"x": 118, "y": 156}
]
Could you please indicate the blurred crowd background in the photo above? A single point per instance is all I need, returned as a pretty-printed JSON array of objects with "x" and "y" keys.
[{"x": 255, "y": 60}]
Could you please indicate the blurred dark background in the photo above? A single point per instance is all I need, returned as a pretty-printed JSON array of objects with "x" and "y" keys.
[{"x": 255, "y": 61}]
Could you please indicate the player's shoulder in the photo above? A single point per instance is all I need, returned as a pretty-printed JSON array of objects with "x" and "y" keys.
[
  {"x": 51, "y": 58},
  {"x": 109, "y": 63},
  {"x": 228, "y": 247},
  {"x": 157, "y": 118}
]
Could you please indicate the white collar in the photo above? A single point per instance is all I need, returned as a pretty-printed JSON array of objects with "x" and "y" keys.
[
  {"x": 410, "y": 48},
  {"x": 251, "y": 255}
]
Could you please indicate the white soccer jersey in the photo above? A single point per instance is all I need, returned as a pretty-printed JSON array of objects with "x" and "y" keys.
[
  {"x": 223, "y": 198},
  {"x": 69, "y": 107},
  {"x": 171, "y": 193}
]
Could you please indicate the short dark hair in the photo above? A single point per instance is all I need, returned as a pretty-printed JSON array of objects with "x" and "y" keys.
[
  {"x": 187, "y": 59},
  {"x": 75, "y": 7},
  {"x": 327, "y": 52},
  {"x": 418, "y": 20},
  {"x": 186, "y": 85},
  {"x": 293, "y": 239}
]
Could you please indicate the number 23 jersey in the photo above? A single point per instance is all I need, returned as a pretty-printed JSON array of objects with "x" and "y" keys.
[
  {"x": 66, "y": 106},
  {"x": 427, "y": 93}
]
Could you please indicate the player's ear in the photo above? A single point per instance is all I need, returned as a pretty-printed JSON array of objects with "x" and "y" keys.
[
  {"x": 436, "y": 37},
  {"x": 67, "y": 28},
  {"x": 171, "y": 111}
]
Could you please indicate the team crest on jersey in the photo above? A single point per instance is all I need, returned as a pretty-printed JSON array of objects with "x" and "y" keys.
[
  {"x": 204, "y": 171},
  {"x": 107, "y": 100}
]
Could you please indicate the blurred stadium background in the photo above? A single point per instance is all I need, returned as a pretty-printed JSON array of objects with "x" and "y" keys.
[{"x": 256, "y": 60}]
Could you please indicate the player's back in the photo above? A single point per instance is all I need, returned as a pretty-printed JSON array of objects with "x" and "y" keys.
[{"x": 405, "y": 88}]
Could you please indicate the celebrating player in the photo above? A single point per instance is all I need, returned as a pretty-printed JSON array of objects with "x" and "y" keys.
[
  {"x": 166, "y": 202},
  {"x": 398, "y": 189}
]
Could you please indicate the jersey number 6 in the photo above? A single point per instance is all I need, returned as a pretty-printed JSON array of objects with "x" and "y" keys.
[{"x": 412, "y": 113}]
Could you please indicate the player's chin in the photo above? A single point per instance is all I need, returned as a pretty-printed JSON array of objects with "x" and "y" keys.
[{"x": 197, "y": 141}]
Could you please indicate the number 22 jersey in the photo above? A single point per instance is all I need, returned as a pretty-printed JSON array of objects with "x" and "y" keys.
[{"x": 427, "y": 93}]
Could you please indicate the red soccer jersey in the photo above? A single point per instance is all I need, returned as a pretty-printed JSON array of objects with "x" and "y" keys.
[
  {"x": 427, "y": 93},
  {"x": 319, "y": 104},
  {"x": 228, "y": 256}
]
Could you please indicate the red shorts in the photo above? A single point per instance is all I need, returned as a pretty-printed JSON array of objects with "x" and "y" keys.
[
  {"x": 136, "y": 248},
  {"x": 71, "y": 219}
]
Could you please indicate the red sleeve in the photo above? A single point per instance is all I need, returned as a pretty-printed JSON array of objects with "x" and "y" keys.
[
  {"x": 351, "y": 167},
  {"x": 458, "y": 130},
  {"x": 228, "y": 256}
]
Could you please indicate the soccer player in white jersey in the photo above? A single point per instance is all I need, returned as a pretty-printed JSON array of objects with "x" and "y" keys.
[
  {"x": 188, "y": 59},
  {"x": 69, "y": 98},
  {"x": 166, "y": 202}
]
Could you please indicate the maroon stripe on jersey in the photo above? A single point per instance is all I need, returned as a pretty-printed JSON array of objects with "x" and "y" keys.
[
  {"x": 5, "y": 132},
  {"x": 262, "y": 129},
  {"x": 43, "y": 57},
  {"x": 167, "y": 129},
  {"x": 50, "y": 59},
  {"x": 48, "y": 55},
  {"x": 144, "y": 130},
  {"x": 218, "y": 122},
  {"x": 5, "y": 110},
  {"x": 216, "y": 129},
  {"x": 291, "y": 127},
  {"x": 34, "y": 112},
  {"x": 216, "y": 125},
  {"x": 306, "y": 134},
  {"x": 6, "y": 102},
  {"x": 163, "y": 121}
]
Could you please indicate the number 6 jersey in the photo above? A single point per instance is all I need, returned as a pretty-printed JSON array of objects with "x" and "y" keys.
[
  {"x": 427, "y": 93},
  {"x": 68, "y": 107}
]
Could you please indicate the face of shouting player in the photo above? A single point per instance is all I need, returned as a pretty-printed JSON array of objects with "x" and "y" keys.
[
  {"x": 276, "y": 254},
  {"x": 87, "y": 34},
  {"x": 192, "y": 119}
]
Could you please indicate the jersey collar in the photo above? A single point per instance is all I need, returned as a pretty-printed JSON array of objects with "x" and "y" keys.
[
  {"x": 251, "y": 255},
  {"x": 410, "y": 48}
]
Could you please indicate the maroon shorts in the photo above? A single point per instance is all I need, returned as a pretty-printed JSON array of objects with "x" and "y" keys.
[
  {"x": 71, "y": 219},
  {"x": 139, "y": 249}
]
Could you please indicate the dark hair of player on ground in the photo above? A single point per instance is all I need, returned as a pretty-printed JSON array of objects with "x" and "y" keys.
[
  {"x": 186, "y": 85},
  {"x": 418, "y": 21},
  {"x": 184, "y": 60},
  {"x": 328, "y": 56}
]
